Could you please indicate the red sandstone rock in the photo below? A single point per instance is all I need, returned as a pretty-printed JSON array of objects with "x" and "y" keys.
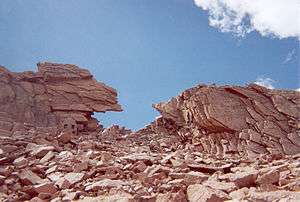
[
  {"x": 52, "y": 94},
  {"x": 28, "y": 177},
  {"x": 201, "y": 193},
  {"x": 47, "y": 188},
  {"x": 249, "y": 120},
  {"x": 209, "y": 142}
]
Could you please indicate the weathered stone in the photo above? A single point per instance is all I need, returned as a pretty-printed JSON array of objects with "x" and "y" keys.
[
  {"x": 224, "y": 186},
  {"x": 73, "y": 178},
  {"x": 269, "y": 177},
  {"x": 171, "y": 197},
  {"x": 105, "y": 183},
  {"x": 81, "y": 167},
  {"x": 53, "y": 93},
  {"x": 48, "y": 188},
  {"x": 28, "y": 177},
  {"x": 41, "y": 151},
  {"x": 274, "y": 196},
  {"x": 201, "y": 193},
  {"x": 47, "y": 157},
  {"x": 20, "y": 162},
  {"x": 65, "y": 137},
  {"x": 228, "y": 110},
  {"x": 245, "y": 178},
  {"x": 122, "y": 197}
]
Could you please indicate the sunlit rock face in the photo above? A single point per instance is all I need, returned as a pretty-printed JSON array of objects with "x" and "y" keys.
[
  {"x": 250, "y": 120},
  {"x": 52, "y": 94}
]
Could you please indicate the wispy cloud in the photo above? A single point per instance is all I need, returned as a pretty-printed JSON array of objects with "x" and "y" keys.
[
  {"x": 298, "y": 89},
  {"x": 265, "y": 82},
  {"x": 276, "y": 18},
  {"x": 290, "y": 56}
]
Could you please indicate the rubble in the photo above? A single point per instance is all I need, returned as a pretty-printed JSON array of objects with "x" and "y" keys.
[{"x": 210, "y": 144}]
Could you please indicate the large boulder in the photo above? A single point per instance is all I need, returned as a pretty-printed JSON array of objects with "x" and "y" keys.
[
  {"x": 250, "y": 120},
  {"x": 53, "y": 94}
]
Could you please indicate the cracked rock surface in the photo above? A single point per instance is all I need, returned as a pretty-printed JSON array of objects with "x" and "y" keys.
[
  {"x": 48, "y": 97},
  {"x": 210, "y": 143}
]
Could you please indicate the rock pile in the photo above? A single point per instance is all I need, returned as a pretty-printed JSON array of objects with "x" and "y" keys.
[
  {"x": 210, "y": 144},
  {"x": 88, "y": 168}
]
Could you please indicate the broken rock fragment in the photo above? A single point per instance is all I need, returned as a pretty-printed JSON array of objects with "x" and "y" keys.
[
  {"x": 105, "y": 183},
  {"x": 201, "y": 193}
]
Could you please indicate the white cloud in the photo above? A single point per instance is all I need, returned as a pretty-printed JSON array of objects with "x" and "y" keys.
[
  {"x": 298, "y": 89},
  {"x": 265, "y": 82},
  {"x": 290, "y": 56},
  {"x": 277, "y": 18}
]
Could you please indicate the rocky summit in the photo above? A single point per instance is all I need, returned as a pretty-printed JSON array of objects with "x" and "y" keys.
[{"x": 211, "y": 143}]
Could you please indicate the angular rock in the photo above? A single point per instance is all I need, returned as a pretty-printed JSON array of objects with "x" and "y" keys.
[
  {"x": 211, "y": 117},
  {"x": 73, "y": 178},
  {"x": 20, "y": 162},
  {"x": 65, "y": 137},
  {"x": 242, "y": 179},
  {"x": 47, "y": 157},
  {"x": 105, "y": 183},
  {"x": 53, "y": 93},
  {"x": 48, "y": 188},
  {"x": 201, "y": 193},
  {"x": 28, "y": 177},
  {"x": 41, "y": 151},
  {"x": 223, "y": 186},
  {"x": 281, "y": 195}
]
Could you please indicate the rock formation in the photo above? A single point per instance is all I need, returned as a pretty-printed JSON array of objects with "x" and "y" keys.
[
  {"x": 52, "y": 96},
  {"x": 209, "y": 144},
  {"x": 248, "y": 120}
]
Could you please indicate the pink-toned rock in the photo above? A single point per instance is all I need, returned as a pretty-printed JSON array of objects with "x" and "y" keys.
[
  {"x": 28, "y": 177},
  {"x": 20, "y": 162},
  {"x": 269, "y": 177},
  {"x": 171, "y": 197},
  {"x": 239, "y": 194},
  {"x": 51, "y": 169},
  {"x": 41, "y": 151},
  {"x": 37, "y": 199},
  {"x": 105, "y": 183},
  {"x": 281, "y": 195},
  {"x": 81, "y": 166},
  {"x": 224, "y": 186},
  {"x": 120, "y": 197},
  {"x": 211, "y": 117},
  {"x": 48, "y": 188},
  {"x": 246, "y": 178},
  {"x": 73, "y": 178},
  {"x": 201, "y": 193},
  {"x": 53, "y": 93},
  {"x": 62, "y": 183},
  {"x": 47, "y": 157},
  {"x": 65, "y": 137}
]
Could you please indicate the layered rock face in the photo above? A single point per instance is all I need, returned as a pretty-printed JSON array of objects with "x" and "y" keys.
[
  {"x": 52, "y": 95},
  {"x": 248, "y": 120}
]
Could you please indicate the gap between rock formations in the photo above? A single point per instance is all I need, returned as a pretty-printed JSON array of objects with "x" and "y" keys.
[{"x": 229, "y": 142}]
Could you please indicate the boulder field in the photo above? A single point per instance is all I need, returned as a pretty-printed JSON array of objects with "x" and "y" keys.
[{"x": 211, "y": 143}]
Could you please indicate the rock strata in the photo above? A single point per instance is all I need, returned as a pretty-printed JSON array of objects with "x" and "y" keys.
[
  {"x": 224, "y": 120},
  {"x": 56, "y": 95}
]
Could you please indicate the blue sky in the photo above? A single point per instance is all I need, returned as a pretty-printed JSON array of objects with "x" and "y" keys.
[{"x": 148, "y": 50}]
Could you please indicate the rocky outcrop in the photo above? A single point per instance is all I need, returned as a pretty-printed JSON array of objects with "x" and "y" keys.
[
  {"x": 224, "y": 120},
  {"x": 57, "y": 94},
  {"x": 201, "y": 148}
]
